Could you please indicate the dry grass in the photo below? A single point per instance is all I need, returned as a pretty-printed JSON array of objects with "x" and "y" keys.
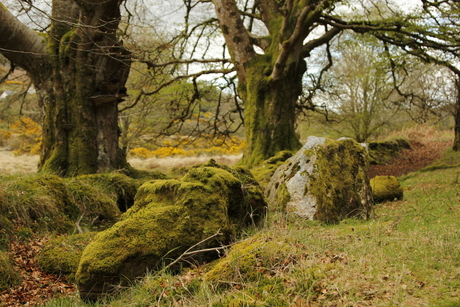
[
  {"x": 423, "y": 134},
  {"x": 166, "y": 164},
  {"x": 26, "y": 164},
  {"x": 17, "y": 165}
]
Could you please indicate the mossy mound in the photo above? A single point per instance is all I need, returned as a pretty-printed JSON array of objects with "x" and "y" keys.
[
  {"x": 386, "y": 188},
  {"x": 9, "y": 277},
  {"x": 168, "y": 217},
  {"x": 42, "y": 202},
  {"x": 52, "y": 203},
  {"x": 103, "y": 196},
  {"x": 61, "y": 255},
  {"x": 326, "y": 180},
  {"x": 382, "y": 152},
  {"x": 254, "y": 258}
]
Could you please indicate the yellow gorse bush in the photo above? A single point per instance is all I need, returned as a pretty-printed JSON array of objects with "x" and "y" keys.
[
  {"x": 25, "y": 136},
  {"x": 187, "y": 148}
]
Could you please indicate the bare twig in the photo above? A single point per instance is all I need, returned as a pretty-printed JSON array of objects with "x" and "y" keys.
[{"x": 190, "y": 250}]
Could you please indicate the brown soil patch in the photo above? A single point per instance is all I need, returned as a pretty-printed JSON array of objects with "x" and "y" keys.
[{"x": 419, "y": 156}]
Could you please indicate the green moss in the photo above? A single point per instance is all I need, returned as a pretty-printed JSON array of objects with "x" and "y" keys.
[
  {"x": 168, "y": 217},
  {"x": 382, "y": 152},
  {"x": 121, "y": 186},
  {"x": 265, "y": 99},
  {"x": 61, "y": 255},
  {"x": 279, "y": 157},
  {"x": 9, "y": 276},
  {"x": 254, "y": 258},
  {"x": 386, "y": 188},
  {"x": 264, "y": 172},
  {"x": 282, "y": 198},
  {"x": 40, "y": 202},
  {"x": 340, "y": 167}
]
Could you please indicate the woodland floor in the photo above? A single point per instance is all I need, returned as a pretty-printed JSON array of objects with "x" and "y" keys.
[
  {"x": 37, "y": 287},
  {"x": 419, "y": 156}
]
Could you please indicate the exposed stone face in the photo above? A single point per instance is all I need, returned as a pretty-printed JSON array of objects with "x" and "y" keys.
[
  {"x": 386, "y": 188},
  {"x": 325, "y": 180},
  {"x": 168, "y": 217}
]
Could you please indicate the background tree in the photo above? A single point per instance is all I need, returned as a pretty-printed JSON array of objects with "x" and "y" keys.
[
  {"x": 367, "y": 93},
  {"x": 434, "y": 42},
  {"x": 79, "y": 69},
  {"x": 359, "y": 87}
]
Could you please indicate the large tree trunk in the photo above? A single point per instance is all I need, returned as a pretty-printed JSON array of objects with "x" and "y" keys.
[
  {"x": 270, "y": 111},
  {"x": 270, "y": 83},
  {"x": 79, "y": 77}
]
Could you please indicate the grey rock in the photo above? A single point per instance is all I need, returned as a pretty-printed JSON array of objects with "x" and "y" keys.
[{"x": 325, "y": 180}]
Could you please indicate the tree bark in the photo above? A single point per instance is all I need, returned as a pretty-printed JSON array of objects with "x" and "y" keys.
[
  {"x": 79, "y": 74},
  {"x": 269, "y": 116},
  {"x": 456, "y": 144}
]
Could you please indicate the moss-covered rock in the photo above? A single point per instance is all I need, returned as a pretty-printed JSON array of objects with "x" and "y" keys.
[
  {"x": 386, "y": 188},
  {"x": 168, "y": 217},
  {"x": 61, "y": 255},
  {"x": 121, "y": 187},
  {"x": 264, "y": 172},
  {"x": 9, "y": 277},
  {"x": 382, "y": 152},
  {"x": 325, "y": 180}
]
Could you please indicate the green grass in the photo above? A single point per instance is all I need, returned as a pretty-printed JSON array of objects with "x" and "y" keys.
[{"x": 406, "y": 255}]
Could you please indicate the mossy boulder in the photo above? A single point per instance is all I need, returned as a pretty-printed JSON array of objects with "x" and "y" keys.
[
  {"x": 9, "y": 276},
  {"x": 384, "y": 151},
  {"x": 325, "y": 180},
  {"x": 386, "y": 188},
  {"x": 169, "y": 217},
  {"x": 62, "y": 254}
]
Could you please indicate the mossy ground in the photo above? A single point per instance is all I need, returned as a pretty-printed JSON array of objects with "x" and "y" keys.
[
  {"x": 264, "y": 172},
  {"x": 406, "y": 255},
  {"x": 46, "y": 203}
]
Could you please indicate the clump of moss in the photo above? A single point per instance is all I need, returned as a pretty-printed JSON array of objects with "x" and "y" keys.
[
  {"x": 279, "y": 157},
  {"x": 9, "y": 276},
  {"x": 264, "y": 172},
  {"x": 386, "y": 188},
  {"x": 62, "y": 254},
  {"x": 254, "y": 258},
  {"x": 122, "y": 187},
  {"x": 382, "y": 152},
  {"x": 168, "y": 217}
]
